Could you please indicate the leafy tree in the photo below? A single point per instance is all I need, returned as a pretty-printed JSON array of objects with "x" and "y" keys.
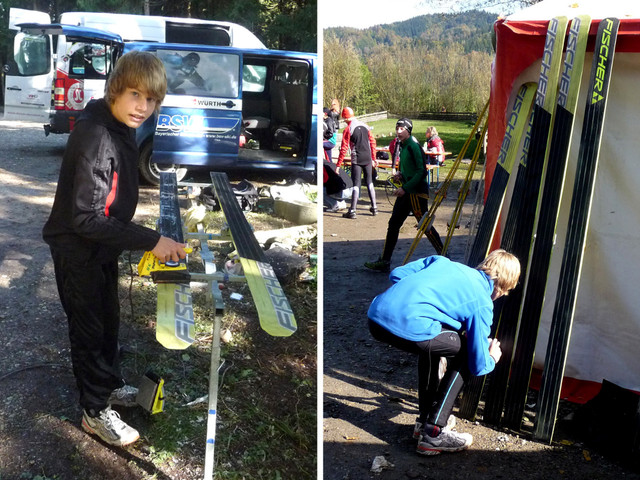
[
  {"x": 367, "y": 98},
  {"x": 472, "y": 29},
  {"x": 421, "y": 64},
  {"x": 342, "y": 72},
  {"x": 281, "y": 24},
  {"x": 292, "y": 25}
]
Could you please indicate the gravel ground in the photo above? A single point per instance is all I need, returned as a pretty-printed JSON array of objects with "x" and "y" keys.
[
  {"x": 370, "y": 402},
  {"x": 39, "y": 411}
]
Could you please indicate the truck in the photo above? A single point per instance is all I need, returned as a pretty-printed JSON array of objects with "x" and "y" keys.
[{"x": 231, "y": 102}]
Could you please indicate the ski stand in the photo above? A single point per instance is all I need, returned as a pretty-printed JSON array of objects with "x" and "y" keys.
[
  {"x": 464, "y": 190},
  {"x": 175, "y": 326},
  {"x": 425, "y": 223}
]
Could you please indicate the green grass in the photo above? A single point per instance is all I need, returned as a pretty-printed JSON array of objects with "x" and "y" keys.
[{"x": 453, "y": 133}]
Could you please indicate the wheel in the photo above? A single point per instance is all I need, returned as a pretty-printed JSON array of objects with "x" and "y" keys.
[{"x": 150, "y": 171}]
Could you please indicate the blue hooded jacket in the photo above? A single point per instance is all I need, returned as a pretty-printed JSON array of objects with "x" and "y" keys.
[{"x": 435, "y": 291}]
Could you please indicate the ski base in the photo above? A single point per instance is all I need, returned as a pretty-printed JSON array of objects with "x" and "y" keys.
[
  {"x": 175, "y": 328},
  {"x": 274, "y": 311}
]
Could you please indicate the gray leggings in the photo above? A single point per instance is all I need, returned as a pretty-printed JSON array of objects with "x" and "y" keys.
[{"x": 356, "y": 178}]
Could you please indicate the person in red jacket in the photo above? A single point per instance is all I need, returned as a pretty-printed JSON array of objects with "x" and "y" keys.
[
  {"x": 357, "y": 138},
  {"x": 89, "y": 227},
  {"x": 434, "y": 144}
]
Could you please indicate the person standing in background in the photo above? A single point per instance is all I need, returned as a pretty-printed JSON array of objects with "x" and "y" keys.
[{"x": 357, "y": 138}]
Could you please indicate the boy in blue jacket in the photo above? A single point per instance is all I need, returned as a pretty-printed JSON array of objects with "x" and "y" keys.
[{"x": 439, "y": 308}]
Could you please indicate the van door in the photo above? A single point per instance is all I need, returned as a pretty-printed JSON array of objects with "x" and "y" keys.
[
  {"x": 85, "y": 58},
  {"x": 200, "y": 120},
  {"x": 97, "y": 51},
  {"x": 29, "y": 70},
  {"x": 278, "y": 117}
]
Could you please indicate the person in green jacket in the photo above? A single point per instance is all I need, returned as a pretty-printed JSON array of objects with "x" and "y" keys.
[{"x": 412, "y": 195}]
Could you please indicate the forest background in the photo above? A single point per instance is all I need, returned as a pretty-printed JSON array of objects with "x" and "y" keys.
[{"x": 423, "y": 64}]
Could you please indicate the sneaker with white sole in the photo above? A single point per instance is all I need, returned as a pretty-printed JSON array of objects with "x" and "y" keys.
[
  {"x": 417, "y": 428},
  {"x": 124, "y": 396},
  {"x": 446, "y": 441},
  {"x": 109, "y": 427}
]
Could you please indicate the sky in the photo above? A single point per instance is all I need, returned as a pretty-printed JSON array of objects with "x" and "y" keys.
[{"x": 366, "y": 13}]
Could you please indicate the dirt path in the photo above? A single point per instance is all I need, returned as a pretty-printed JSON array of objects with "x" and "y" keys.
[
  {"x": 370, "y": 402},
  {"x": 39, "y": 411}
]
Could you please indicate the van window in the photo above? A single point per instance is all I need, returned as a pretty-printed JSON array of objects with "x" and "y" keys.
[
  {"x": 89, "y": 61},
  {"x": 254, "y": 78},
  {"x": 31, "y": 54},
  {"x": 202, "y": 34},
  {"x": 292, "y": 74},
  {"x": 202, "y": 73}
]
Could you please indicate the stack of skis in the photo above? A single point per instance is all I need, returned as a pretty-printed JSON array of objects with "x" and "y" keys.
[{"x": 539, "y": 130}]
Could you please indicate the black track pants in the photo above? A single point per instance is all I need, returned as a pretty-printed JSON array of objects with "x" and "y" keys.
[
  {"x": 436, "y": 397},
  {"x": 89, "y": 296},
  {"x": 407, "y": 203}
]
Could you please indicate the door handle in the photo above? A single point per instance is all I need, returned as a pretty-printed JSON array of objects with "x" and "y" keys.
[
  {"x": 16, "y": 89},
  {"x": 229, "y": 104}
]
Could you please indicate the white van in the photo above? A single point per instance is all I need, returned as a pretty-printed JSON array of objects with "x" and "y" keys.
[{"x": 78, "y": 70}]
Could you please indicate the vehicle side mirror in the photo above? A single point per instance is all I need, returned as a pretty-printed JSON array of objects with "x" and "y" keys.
[{"x": 6, "y": 68}]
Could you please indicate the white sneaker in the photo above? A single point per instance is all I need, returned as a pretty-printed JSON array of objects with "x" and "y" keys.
[
  {"x": 110, "y": 428},
  {"x": 124, "y": 396},
  {"x": 417, "y": 428},
  {"x": 446, "y": 441}
]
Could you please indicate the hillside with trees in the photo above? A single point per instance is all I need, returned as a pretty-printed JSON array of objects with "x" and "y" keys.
[
  {"x": 419, "y": 65},
  {"x": 471, "y": 30}
]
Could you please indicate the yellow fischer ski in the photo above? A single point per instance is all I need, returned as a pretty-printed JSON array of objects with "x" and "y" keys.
[{"x": 274, "y": 311}]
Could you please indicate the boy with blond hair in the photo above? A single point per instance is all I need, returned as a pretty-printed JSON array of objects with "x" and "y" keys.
[
  {"x": 89, "y": 227},
  {"x": 438, "y": 308}
]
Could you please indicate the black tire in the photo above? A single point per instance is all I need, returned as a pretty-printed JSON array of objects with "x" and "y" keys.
[{"x": 150, "y": 172}]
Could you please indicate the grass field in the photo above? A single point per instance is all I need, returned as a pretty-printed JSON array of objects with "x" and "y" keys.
[{"x": 453, "y": 133}]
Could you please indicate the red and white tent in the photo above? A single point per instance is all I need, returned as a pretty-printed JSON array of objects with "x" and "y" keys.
[{"x": 605, "y": 340}]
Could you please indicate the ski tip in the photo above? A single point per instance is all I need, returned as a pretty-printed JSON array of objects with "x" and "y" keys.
[{"x": 274, "y": 312}]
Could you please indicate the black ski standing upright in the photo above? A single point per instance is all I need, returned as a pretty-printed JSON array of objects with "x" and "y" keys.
[
  {"x": 522, "y": 220},
  {"x": 579, "y": 214},
  {"x": 516, "y": 123},
  {"x": 510, "y": 143},
  {"x": 522, "y": 208}
]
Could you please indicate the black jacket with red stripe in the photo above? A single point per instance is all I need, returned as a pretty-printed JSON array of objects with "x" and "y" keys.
[{"x": 97, "y": 191}]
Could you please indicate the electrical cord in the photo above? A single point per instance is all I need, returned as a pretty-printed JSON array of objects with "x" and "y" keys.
[{"x": 31, "y": 367}]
